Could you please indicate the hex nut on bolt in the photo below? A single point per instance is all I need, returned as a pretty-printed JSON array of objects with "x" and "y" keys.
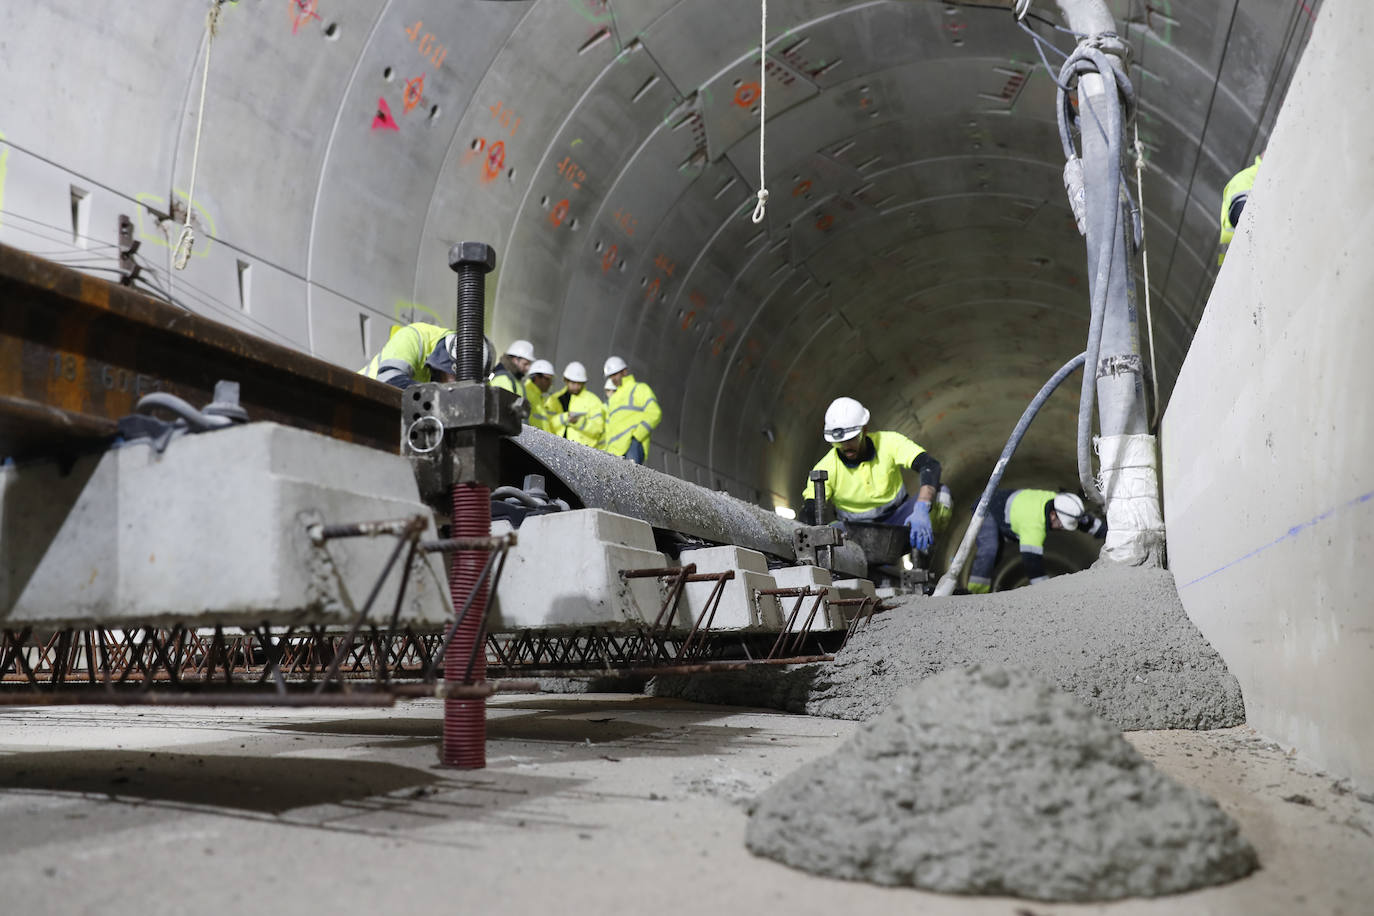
[{"x": 472, "y": 254}]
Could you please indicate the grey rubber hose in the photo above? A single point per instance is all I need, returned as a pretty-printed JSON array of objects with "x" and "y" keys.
[{"x": 961, "y": 557}]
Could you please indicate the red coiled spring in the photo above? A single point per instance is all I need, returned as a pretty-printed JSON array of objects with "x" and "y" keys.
[{"x": 465, "y": 721}]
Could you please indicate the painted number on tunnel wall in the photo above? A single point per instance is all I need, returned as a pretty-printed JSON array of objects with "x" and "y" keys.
[
  {"x": 504, "y": 116},
  {"x": 573, "y": 172},
  {"x": 428, "y": 46}
]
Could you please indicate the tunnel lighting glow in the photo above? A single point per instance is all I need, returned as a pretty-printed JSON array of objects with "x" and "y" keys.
[
  {"x": 906, "y": 563},
  {"x": 785, "y": 511}
]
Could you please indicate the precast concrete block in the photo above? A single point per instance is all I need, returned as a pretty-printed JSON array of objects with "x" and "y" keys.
[
  {"x": 806, "y": 576},
  {"x": 564, "y": 573},
  {"x": 851, "y": 588},
  {"x": 214, "y": 529},
  {"x": 740, "y": 607}
]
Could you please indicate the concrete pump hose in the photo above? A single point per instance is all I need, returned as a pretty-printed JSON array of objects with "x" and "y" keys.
[
  {"x": 1087, "y": 59},
  {"x": 961, "y": 557}
]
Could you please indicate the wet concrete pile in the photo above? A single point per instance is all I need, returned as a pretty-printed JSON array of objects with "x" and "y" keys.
[
  {"x": 1116, "y": 638},
  {"x": 987, "y": 781}
]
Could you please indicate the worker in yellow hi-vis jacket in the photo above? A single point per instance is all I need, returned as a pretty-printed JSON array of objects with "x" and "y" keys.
[
  {"x": 415, "y": 353},
  {"x": 578, "y": 414},
  {"x": 631, "y": 413}
]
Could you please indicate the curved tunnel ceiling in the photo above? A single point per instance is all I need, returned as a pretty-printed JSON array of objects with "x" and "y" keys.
[{"x": 918, "y": 251}]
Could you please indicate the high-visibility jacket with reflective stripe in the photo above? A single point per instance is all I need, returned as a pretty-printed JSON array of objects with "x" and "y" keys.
[
  {"x": 502, "y": 378},
  {"x": 1239, "y": 185},
  {"x": 870, "y": 485},
  {"x": 586, "y": 429},
  {"x": 405, "y": 352},
  {"x": 1022, "y": 516},
  {"x": 631, "y": 413},
  {"x": 543, "y": 408}
]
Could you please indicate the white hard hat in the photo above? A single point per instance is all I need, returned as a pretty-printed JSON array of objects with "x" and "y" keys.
[
  {"x": 610, "y": 384},
  {"x": 521, "y": 349},
  {"x": 613, "y": 365},
  {"x": 1070, "y": 509},
  {"x": 541, "y": 367},
  {"x": 450, "y": 347},
  {"x": 575, "y": 372},
  {"x": 844, "y": 418}
]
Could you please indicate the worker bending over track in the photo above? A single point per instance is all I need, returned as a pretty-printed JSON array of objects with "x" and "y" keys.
[
  {"x": 415, "y": 353},
  {"x": 864, "y": 474},
  {"x": 1026, "y": 516}
]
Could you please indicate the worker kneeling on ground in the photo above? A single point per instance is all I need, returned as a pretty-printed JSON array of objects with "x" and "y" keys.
[
  {"x": 579, "y": 414},
  {"x": 631, "y": 413},
  {"x": 864, "y": 474},
  {"x": 1026, "y": 516},
  {"x": 538, "y": 391},
  {"x": 415, "y": 353}
]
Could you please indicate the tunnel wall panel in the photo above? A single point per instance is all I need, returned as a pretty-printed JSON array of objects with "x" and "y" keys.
[{"x": 1268, "y": 443}]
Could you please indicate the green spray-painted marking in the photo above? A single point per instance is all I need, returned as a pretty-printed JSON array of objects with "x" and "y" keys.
[
  {"x": 581, "y": 6},
  {"x": 406, "y": 310},
  {"x": 158, "y": 204}
]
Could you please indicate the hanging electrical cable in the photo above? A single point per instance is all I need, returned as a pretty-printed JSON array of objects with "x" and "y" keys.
[{"x": 761, "y": 207}]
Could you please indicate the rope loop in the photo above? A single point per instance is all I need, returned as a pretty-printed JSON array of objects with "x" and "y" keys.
[{"x": 761, "y": 206}]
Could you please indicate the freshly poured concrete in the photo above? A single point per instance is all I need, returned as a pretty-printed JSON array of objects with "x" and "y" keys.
[
  {"x": 988, "y": 781},
  {"x": 591, "y": 804},
  {"x": 1267, "y": 473},
  {"x": 1116, "y": 638}
]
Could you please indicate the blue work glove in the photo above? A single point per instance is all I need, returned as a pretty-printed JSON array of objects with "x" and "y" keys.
[{"x": 922, "y": 536}]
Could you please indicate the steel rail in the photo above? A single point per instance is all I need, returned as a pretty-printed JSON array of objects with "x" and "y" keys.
[{"x": 77, "y": 352}]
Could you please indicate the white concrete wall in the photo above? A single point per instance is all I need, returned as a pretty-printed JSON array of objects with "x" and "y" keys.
[{"x": 1269, "y": 438}]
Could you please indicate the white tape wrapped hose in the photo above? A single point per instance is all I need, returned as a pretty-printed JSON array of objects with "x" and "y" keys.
[{"x": 1130, "y": 486}]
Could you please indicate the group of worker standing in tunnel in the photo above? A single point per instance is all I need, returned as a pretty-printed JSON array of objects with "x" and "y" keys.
[
  {"x": 864, "y": 482},
  {"x": 622, "y": 425}
]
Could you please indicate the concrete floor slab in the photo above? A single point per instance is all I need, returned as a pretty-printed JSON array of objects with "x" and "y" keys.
[{"x": 592, "y": 803}]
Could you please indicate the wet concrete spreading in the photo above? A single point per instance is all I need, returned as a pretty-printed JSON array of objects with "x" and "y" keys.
[
  {"x": 1116, "y": 638},
  {"x": 987, "y": 781}
]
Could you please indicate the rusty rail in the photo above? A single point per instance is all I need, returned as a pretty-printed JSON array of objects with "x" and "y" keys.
[{"x": 77, "y": 352}]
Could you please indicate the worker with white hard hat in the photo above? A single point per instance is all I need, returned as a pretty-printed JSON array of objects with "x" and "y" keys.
[
  {"x": 514, "y": 364},
  {"x": 864, "y": 474},
  {"x": 415, "y": 353},
  {"x": 539, "y": 393},
  {"x": 1026, "y": 516},
  {"x": 579, "y": 414},
  {"x": 632, "y": 412}
]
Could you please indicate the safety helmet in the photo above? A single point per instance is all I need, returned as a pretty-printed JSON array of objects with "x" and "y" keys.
[
  {"x": 541, "y": 367},
  {"x": 521, "y": 349},
  {"x": 575, "y": 372},
  {"x": 1069, "y": 507},
  {"x": 450, "y": 347},
  {"x": 610, "y": 384},
  {"x": 844, "y": 418},
  {"x": 613, "y": 365}
]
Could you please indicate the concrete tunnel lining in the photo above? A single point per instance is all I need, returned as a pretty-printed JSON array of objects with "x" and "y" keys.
[{"x": 586, "y": 306}]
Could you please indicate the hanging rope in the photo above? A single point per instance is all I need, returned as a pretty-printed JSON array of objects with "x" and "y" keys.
[
  {"x": 182, "y": 255},
  {"x": 1145, "y": 261},
  {"x": 762, "y": 205}
]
